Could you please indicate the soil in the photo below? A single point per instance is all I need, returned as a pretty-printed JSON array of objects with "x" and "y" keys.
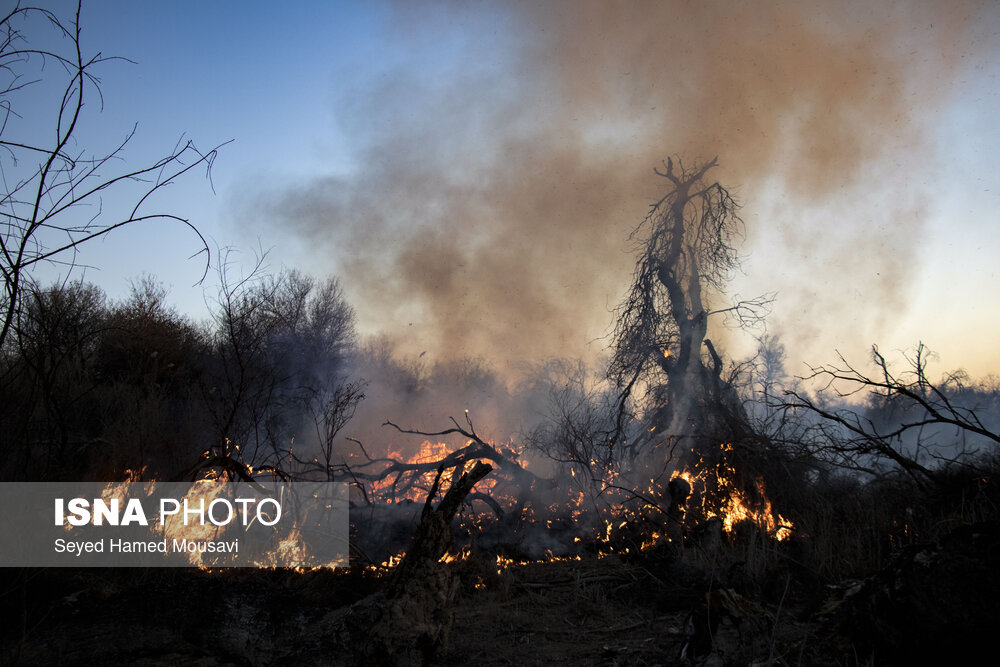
[
  {"x": 597, "y": 611},
  {"x": 932, "y": 602}
]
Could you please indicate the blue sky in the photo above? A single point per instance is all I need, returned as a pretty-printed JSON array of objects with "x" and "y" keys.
[
  {"x": 259, "y": 75},
  {"x": 472, "y": 172}
]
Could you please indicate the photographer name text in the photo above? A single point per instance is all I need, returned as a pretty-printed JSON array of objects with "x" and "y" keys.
[{"x": 164, "y": 546}]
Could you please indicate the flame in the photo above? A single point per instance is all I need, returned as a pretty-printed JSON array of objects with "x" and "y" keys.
[
  {"x": 292, "y": 548},
  {"x": 463, "y": 554},
  {"x": 503, "y": 563},
  {"x": 594, "y": 503},
  {"x": 731, "y": 504},
  {"x": 392, "y": 561}
]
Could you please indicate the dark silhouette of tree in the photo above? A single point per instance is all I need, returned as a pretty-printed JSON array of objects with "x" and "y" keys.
[
  {"x": 49, "y": 413},
  {"x": 281, "y": 345},
  {"x": 132, "y": 389},
  {"x": 91, "y": 389},
  {"x": 662, "y": 359},
  {"x": 149, "y": 362},
  {"x": 908, "y": 423},
  {"x": 55, "y": 195}
]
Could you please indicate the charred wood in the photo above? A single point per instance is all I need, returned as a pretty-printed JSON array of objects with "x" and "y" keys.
[{"x": 410, "y": 621}]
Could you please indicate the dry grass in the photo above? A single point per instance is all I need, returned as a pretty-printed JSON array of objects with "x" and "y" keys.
[{"x": 566, "y": 612}]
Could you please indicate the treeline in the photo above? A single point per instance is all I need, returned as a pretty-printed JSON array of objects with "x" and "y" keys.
[
  {"x": 99, "y": 389},
  {"x": 93, "y": 388}
]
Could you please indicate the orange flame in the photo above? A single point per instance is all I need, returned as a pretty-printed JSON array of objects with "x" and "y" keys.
[{"x": 733, "y": 505}]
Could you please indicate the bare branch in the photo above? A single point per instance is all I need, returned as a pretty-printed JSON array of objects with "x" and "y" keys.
[
  {"x": 46, "y": 195},
  {"x": 859, "y": 438}
]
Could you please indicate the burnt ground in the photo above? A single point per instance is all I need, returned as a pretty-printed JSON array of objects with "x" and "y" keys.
[
  {"x": 602, "y": 612},
  {"x": 933, "y": 602},
  {"x": 581, "y": 612},
  {"x": 596, "y": 611},
  {"x": 648, "y": 610}
]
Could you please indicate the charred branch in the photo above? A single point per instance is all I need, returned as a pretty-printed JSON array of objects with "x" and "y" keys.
[
  {"x": 687, "y": 253},
  {"x": 410, "y": 621},
  {"x": 491, "y": 502},
  {"x": 856, "y": 438},
  {"x": 477, "y": 448},
  {"x": 433, "y": 536}
]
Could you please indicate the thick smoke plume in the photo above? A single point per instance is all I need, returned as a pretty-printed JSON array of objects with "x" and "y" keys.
[{"x": 495, "y": 190}]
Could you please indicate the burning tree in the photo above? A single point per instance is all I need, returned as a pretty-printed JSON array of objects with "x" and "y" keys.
[
  {"x": 663, "y": 360},
  {"x": 670, "y": 378},
  {"x": 668, "y": 437}
]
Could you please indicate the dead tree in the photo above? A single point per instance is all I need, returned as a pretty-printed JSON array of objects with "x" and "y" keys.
[
  {"x": 55, "y": 197},
  {"x": 662, "y": 358}
]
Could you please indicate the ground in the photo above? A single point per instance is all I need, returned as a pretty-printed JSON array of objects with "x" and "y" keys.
[
  {"x": 652, "y": 608},
  {"x": 600, "y": 611}
]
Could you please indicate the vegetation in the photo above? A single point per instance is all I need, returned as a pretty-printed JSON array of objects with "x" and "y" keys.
[
  {"x": 112, "y": 390},
  {"x": 737, "y": 489},
  {"x": 57, "y": 197}
]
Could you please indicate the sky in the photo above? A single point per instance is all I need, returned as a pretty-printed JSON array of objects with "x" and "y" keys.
[{"x": 472, "y": 171}]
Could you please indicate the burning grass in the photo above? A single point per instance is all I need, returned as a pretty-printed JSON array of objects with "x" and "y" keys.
[
  {"x": 524, "y": 516},
  {"x": 716, "y": 495}
]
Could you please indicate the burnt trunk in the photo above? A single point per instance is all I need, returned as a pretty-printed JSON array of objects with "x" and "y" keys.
[{"x": 409, "y": 622}]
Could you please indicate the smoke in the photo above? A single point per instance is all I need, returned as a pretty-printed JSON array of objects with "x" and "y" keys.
[{"x": 496, "y": 184}]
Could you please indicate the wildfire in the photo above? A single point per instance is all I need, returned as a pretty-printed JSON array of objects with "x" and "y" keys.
[
  {"x": 135, "y": 475},
  {"x": 503, "y": 563},
  {"x": 392, "y": 561},
  {"x": 292, "y": 548},
  {"x": 414, "y": 486},
  {"x": 593, "y": 510},
  {"x": 730, "y": 504},
  {"x": 463, "y": 554}
]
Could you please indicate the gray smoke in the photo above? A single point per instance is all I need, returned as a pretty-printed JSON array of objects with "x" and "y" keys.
[{"x": 489, "y": 211}]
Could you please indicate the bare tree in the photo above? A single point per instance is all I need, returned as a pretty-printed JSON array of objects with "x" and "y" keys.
[
  {"x": 331, "y": 409},
  {"x": 909, "y": 423},
  {"x": 55, "y": 195},
  {"x": 578, "y": 423},
  {"x": 282, "y": 344},
  {"x": 687, "y": 248}
]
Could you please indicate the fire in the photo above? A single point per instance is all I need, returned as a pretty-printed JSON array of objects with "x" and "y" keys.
[
  {"x": 413, "y": 486},
  {"x": 503, "y": 563},
  {"x": 292, "y": 548},
  {"x": 731, "y": 504},
  {"x": 593, "y": 508},
  {"x": 463, "y": 554},
  {"x": 392, "y": 561}
]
